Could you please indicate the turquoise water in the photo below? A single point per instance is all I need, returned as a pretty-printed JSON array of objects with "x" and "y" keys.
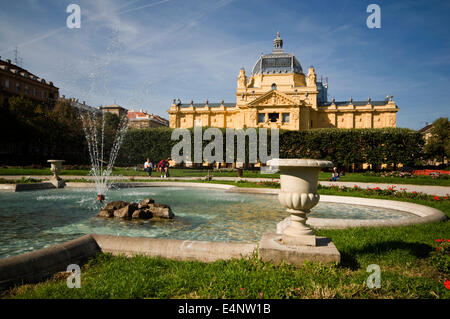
[{"x": 37, "y": 219}]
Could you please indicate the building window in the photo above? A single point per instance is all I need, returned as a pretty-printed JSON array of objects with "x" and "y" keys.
[
  {"x": 274, "y": 86},
  {"x": 7, "y": 83},
  {"x": 311, "y": 123},
  {"x": 273, "y": 117},
  {"x": 27, "y": 90},
  {"x": 34, "y": 91},
  {"x": 43, "y": 94},
  {"x": 261, "y": 117},
  {"x": 286, "y": 117},
  {"x": 17, "y": 86}
]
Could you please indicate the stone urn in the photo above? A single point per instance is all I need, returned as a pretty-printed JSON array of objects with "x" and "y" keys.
[
  {"x": 299, "y": 179},
  {"x": 55, "y": 168}
]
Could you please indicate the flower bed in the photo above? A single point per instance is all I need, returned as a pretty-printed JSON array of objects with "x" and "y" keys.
[{"x": 390, "y": 191}]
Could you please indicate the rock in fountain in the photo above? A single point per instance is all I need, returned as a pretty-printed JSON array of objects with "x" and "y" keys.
[
  {"x": 296, "y": 243},
  {"x": 146, "y": 209}
]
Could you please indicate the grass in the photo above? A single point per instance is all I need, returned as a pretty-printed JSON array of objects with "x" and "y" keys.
[
  {"x": 144, "y": 277},
  {"x": 404, "y": 254},
  {"x": 324, "y": 176}
]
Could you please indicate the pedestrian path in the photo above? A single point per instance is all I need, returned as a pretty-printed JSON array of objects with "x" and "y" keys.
[{"x": 427, "y": 189}]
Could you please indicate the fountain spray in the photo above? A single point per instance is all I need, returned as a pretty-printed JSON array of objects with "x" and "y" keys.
[{"x": 95, "y": 136}]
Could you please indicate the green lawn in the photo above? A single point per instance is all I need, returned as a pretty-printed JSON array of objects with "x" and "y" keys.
[
  {"x": 410, "y": 268},
  {"x": 349, "y": 177}
]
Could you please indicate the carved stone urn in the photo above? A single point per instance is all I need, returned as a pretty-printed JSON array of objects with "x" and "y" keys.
[
  {"x": 299, "y": 179},
  {"x": 55, "y": 168}
]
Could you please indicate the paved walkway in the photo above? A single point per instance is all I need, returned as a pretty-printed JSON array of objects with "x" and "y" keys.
[{"x": 427, "y": 189}]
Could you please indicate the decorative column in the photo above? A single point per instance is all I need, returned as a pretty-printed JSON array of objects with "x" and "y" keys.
[{"x": 299, "y": 179}]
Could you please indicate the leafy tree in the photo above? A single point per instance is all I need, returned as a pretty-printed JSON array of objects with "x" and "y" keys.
[
  {"x": 438, "y": 144},
  {"x": 34, "y": 133}
]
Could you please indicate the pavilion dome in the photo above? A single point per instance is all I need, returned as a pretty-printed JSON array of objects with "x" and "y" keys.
[{"x": 278, "y": 61}]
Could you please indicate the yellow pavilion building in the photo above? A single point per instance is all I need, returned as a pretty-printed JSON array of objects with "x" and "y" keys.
[{"x": 278, "y": 94}]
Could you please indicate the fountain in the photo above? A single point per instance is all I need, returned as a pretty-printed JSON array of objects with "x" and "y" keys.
[
  {"x": 296, "y": 242},
  {"x": 94, "y": 130}
]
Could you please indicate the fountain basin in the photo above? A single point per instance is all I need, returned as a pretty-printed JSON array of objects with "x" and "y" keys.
[{"x": 204, "y": 212}]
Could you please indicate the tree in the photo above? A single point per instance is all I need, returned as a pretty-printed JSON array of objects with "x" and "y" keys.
[
  {"x": 33, "y": 133},
  {"x": 438, "y": 144}
]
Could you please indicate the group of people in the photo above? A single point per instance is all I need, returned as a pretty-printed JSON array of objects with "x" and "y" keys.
[{"x": 162, "y": 167}]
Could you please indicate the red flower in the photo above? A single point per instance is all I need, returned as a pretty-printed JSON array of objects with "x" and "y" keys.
[
  {"x": 436, "y": 197},
  {"x": 438, "y": 240},
  {"x": 414, "y": 192},
  {"x": 447, "y": 284}
]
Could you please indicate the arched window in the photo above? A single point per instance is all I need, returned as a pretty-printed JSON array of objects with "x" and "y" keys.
[{"x": 274, "y": 86}]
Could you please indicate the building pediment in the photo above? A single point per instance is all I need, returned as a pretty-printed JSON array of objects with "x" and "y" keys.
[{"x": 274, "y": 98}]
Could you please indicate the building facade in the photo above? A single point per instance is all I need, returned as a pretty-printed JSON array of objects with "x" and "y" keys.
[
  {"x": 16, "y": 81},
  {"x": 142, "y": 119},
  {"x": 114, "y": 109},
  {"x": 278, "y": 94}
]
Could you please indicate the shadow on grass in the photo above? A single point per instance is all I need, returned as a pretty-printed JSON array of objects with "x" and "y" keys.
[{"x": 349, "y": 258}]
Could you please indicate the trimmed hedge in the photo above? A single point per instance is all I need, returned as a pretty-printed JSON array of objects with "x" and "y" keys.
[
  {"x": 355, "y": 146},
  {"x": 342, "y": 146}
]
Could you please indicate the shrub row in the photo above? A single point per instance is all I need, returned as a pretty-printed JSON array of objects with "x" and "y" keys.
[{"x": 342, "y": 146}]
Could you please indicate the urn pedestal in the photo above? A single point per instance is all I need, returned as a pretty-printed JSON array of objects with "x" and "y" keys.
[
  {"x": 299, "y": 179},
  {"x": 296, "y": 243},
  {"x": 55, "y": 168}
]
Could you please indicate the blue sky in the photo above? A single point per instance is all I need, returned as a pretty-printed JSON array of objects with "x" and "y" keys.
[{"x": 142, "y": 54}]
